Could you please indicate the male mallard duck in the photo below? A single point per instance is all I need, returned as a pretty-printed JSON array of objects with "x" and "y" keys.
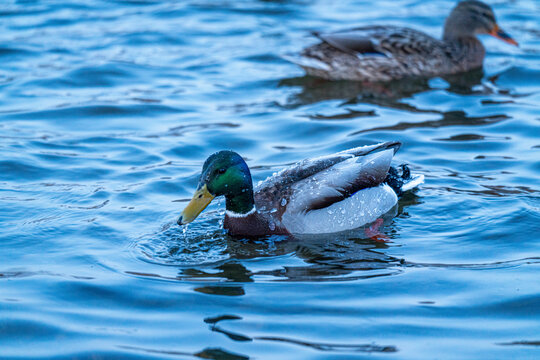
[
  {"x": 383, "y": 53},
  {"x": 327, "y": 194}
]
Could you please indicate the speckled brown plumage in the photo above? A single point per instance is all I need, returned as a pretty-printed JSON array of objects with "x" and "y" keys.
[{"x": 383, "y": 53}]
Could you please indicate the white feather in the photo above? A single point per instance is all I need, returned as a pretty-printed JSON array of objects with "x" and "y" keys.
[
  {"x": 363, "y": 207},
  {"x": 238, "y": 215},
  {"x": 306, "y": 62},
  {"x": 414, "y": 182}
]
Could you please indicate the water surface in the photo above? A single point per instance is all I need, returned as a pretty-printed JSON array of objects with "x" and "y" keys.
[{"x": 107, "y": 112}]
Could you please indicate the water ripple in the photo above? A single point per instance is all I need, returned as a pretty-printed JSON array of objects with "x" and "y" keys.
[{"x": 108, "y": 112}]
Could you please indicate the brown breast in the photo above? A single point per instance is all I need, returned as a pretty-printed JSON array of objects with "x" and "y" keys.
[{"x": 252, "y": 225}]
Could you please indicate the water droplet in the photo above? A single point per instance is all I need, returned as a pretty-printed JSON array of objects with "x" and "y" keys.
[
  {"x": 272, "y": 226},
  {"x": 273, "y": 210},
  {"x": 283, "y": 202},
  {"x": 343, "y": 211}
]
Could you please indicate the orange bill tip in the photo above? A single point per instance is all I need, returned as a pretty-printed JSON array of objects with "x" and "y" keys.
[{"x": 502, "y": 35}]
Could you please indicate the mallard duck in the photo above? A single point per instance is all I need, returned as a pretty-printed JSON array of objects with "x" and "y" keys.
[
  {"x": 327, "y": 194},
  {"x": 383, "y": 53}
]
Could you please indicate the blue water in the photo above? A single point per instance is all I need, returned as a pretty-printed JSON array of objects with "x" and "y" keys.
[{"x": 108, "y": 110}]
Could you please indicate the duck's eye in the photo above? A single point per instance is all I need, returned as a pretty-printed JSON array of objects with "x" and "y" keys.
[{"x": 221, "y": 171}]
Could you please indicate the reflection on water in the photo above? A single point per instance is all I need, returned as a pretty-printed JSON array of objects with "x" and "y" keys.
[
  {"x": 450, "y": 118},
  {"x": 203, "y": 253},
  {"x": 388, "y": 94},
  {"x": 208, "y": 353},
  {"x": 317, "y": 346}
]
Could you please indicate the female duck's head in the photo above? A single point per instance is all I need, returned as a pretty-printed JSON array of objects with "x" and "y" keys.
[
  {"x": 470, "y": 18},
  {"x": 224, "y": 173}
]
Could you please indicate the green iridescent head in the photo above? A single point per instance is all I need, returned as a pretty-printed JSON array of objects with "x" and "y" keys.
[{"x": 224, "y": 173}]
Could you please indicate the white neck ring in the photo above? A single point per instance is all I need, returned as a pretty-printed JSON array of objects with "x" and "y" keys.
[{"x": 238, "y": 215}]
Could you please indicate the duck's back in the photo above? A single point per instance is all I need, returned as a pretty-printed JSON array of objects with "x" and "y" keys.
[
  {"x": 298, "y": 198},
  {"x": 378, "y": 53}
]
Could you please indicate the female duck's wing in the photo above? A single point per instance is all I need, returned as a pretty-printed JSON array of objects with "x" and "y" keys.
[
  {"x": 350, "y": 41},
  {"x": 374, "y": 53},
  {"x": 389, "y": 41}
]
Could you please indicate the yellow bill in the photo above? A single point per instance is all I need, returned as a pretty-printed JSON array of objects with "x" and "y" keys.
[{"x": 198, "y": 203}]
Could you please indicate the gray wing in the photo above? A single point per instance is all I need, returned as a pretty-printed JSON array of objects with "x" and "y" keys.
[
  {"x": 310, "y": 167},
  {"x": 324, "y": 173},
  {"x": 341, "y": 181}
]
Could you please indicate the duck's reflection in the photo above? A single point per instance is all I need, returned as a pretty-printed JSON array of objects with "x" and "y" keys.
[
  {"x": 391, "y": 95},
  {"x": 448, "y": 118},
  {"x": 204, "y": 253},
  {"x": 326, "y": 258},
  {"x": 329, "y": 257},
  {"x": 387, "y": 94}
]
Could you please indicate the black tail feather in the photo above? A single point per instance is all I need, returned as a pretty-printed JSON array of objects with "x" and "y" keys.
[{"x": 396, "y": 180}]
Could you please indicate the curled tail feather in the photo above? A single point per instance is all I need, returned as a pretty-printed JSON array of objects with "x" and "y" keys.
[{"x": 404, "y": 180}]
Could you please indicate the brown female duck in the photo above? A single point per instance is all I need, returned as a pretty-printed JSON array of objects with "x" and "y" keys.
[{"x": 383, "y": 53}]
